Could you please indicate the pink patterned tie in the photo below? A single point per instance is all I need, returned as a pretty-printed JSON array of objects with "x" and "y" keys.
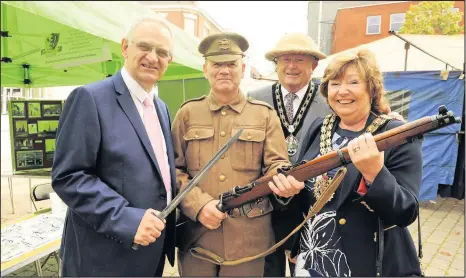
[{"x": 151, "y": 122}]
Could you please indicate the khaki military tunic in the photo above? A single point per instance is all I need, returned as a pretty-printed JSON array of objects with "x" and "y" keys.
[{"x": 201, "y": 127}]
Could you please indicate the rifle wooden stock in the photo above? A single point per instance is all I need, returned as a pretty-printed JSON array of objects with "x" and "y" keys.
[{"x": 305, "y": 170}]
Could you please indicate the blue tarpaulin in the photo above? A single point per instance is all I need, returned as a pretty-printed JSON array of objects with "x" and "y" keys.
[{"x": 419, "y": 94}]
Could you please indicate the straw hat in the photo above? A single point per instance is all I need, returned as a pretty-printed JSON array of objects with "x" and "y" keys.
[
  {"x": 223, "y": 47},
  {"x": 295, "y": 43}
]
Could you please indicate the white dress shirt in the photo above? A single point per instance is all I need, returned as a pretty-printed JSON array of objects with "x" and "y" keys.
[
  {"x": 138, "y": 94},
  {"x": 297, "y": 101}
]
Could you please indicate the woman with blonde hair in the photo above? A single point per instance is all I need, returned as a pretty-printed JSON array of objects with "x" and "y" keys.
[{"x": 361, "y": 231}]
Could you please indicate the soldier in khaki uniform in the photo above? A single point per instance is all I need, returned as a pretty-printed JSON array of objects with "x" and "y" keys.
[{"x": 201, "y": 127}]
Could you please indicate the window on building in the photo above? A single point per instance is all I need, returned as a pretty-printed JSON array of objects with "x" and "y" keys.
[
  {"x": 190, "y": 23},
  {"x": 373, "y": 24},
  {"x": 396, "y": 21}
]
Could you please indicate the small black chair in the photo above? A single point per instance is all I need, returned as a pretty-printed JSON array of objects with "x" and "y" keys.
[{"x": 41, "y": 192}]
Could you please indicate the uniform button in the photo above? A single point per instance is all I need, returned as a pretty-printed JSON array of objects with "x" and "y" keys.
[
  {"x": 224, "y": 113},
  {"x": 222, "y": 133},
  {"x": 342, "y": 221},
  {"x": 249, "y": 137},
  {"x": 261, "y": 211},
  {"x": 222, "y": 177},
  {"x": 223, "y": 156},
  {"x": 196, "y": 136}
]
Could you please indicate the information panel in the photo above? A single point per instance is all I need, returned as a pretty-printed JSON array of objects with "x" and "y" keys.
[{"x": 33, "y": 128}]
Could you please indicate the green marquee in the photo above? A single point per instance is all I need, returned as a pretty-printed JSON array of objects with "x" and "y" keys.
[{"x": 47, "y": 44}]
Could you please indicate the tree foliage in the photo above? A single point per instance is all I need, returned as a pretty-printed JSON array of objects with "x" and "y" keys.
[{"x": 432, "y": 18}]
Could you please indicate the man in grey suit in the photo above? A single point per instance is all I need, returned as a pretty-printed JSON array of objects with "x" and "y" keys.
[{"x": 298, "y": 103}]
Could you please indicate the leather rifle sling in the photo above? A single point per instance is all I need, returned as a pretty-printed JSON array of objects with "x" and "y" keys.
[{"x": 207, "y": 255}]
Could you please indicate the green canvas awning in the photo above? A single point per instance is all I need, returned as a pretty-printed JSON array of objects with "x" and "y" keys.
[{"x": 49, "y": 44}]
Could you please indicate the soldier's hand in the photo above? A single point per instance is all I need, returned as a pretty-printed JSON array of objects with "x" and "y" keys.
[
  {"x": 210, "y": 216},
  {"x": 150, "y": 228},
  {"x": 285, "y": 186}
]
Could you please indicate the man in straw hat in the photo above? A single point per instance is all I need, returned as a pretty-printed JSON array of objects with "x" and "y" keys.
[
  {"x": 295, "y": 56},
  {"x": 201, "y": 127}
]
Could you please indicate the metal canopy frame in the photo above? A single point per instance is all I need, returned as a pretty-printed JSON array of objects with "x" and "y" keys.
[{"x": 408, "y": 44}]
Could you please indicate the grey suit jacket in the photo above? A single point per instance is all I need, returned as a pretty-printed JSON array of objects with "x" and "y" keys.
[{"x": 319, "y": 108}]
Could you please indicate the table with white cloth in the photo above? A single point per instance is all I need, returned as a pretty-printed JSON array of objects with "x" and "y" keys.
[{"x": 29, "y": 239}]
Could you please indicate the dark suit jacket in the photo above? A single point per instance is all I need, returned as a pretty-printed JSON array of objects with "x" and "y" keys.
[
  {"x": 283, "y": 223},
  {"x": 105, "y": 170},
  {"x": 392, "y": 197}
]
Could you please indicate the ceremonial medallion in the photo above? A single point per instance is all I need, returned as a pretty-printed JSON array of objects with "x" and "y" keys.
[
  {"x": 292, "y": 145},
  {"x": 291, "y": 140}
]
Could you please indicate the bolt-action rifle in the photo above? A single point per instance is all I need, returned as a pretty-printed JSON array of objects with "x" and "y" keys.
[{"x": 305, "y": 170}]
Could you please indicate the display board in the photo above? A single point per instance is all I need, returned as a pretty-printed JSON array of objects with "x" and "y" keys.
[{"x": 33, "y": 128}]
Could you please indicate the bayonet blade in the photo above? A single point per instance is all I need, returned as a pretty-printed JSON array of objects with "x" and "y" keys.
[
  {"x": 194, "y": 181},
  {"x": 176, "y": 201}
]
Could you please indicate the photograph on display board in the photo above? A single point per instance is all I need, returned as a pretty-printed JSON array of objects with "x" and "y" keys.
[
  {"x": 21, "y": 128},
  {"x": 17, "y": 110},
  {"x": 47, "y": 128},
  {"x": 32, "y": 128},
  {"x": 24, "y": 144},
  {"x": 34, "y": 110},
  {"x": 25, "y": 159},
  {"x": 49, "y": 149},
  {"x": 52, "y": 110}
]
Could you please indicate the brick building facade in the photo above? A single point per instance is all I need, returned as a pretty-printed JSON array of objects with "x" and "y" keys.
[{"x": 358, "y": 25}]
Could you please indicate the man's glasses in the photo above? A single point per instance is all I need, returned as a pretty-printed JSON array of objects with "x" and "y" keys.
[{"x": 147, "y": 48}]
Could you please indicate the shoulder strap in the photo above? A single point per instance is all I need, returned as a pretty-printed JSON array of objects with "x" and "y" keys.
[
  {"x": 380, "y": 248},
  {"x": 193, "y": 99},
  {"x": 419, "y": 240},
  {"x": 380, "y": 245}
]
